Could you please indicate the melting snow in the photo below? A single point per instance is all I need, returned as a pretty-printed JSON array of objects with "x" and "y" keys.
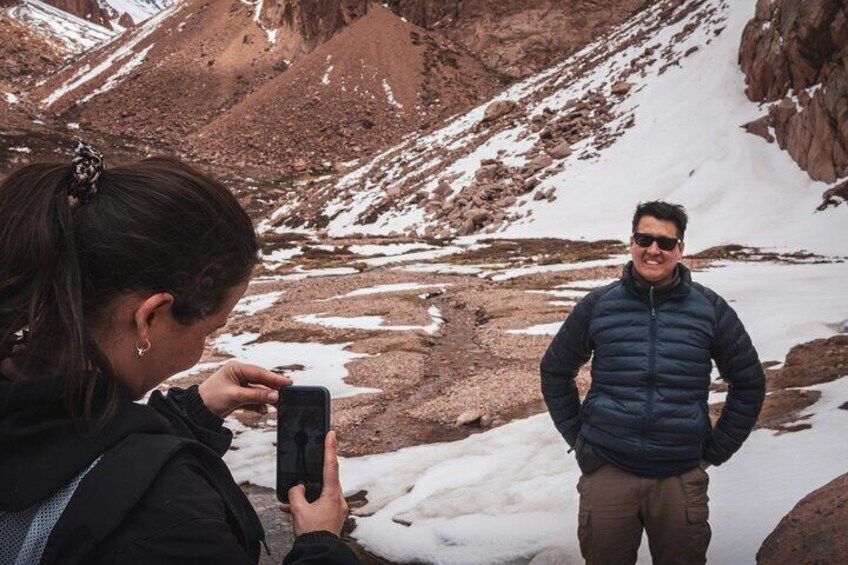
[
  {"x": 390, "y": 97},
  {"x": 11, "y": 98},
  {"x": 386, "y": 288},
  {"x": 257, "y": 302},
  {"x": 86, "y": 73},
  {"x": 445, "y": 490},
  {"x": 324, "y": 364},
  {"x": 371, "y": 322}
]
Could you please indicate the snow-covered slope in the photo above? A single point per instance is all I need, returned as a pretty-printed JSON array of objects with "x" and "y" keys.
[
  {"x": 69, "y": 33},
  {"x": 138, "y": 10},
  {"x": 672, "y": 132}
]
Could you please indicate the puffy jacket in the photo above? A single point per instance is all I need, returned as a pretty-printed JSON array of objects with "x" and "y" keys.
[
  {"x": 150, "y": 487},
  {"x": 652, "y": 351}
]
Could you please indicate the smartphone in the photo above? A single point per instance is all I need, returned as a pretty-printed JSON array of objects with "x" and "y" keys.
[{"x": 303, "y": 420}]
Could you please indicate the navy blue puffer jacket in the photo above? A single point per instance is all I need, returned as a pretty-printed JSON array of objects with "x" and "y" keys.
[{"x": 646, "y": 411}]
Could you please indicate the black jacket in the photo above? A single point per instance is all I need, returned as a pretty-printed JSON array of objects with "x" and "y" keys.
[
  {"x": 159, "y": 494},
  {"x": 646, "y": 411}
]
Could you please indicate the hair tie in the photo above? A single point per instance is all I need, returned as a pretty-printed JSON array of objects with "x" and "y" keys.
[{"x": 88, "y": 166}]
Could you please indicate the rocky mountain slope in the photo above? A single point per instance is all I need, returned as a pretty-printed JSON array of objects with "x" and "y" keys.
[
  {"x": 89, "y": 10},
  {"x": 375, "y": 81},
  {"x": 795, "y": 59},
  {"x": 518, "y": 39}
]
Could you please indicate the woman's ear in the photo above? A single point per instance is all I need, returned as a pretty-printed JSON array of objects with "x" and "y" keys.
[{"x": 153, "y": 311}]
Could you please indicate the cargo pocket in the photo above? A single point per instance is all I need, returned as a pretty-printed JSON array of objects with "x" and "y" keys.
[
  {"x": 699, "y": 532},
  {"x": 584, "y": 534}
]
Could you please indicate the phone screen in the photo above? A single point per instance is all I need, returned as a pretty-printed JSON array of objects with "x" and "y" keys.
[{"x": 302, "y": 425}]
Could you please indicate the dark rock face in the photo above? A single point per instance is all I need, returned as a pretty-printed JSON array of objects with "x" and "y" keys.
[
  {"x": 802, "y": 47},
  {"x": 315, "y": 21},
  {"x": 518, "y": 39},
  {"x": 86, "y": 9},
  {"x": 814, "y": 532}
]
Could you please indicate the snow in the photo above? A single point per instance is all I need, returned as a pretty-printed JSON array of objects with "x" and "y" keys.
[
  {"x": 257, "y": 302},
  {"x": 325, "y": 80},
  {"x": 389, "y": 249},
  {"x": 300, "y": 274},
  {"x": 281, "y": 255},
  {"x": 324, "y": 364},
  {"x": 371, "y": 322},
  {"x": 199, "y": 368},
  {"x": 386, "y": 288},
  {"x": 535, "y": 269},
  {"x": 539, "y": 329},
  {"x": 118, "y": 76},
  {"x": 686, "y": 146},
  {"x": 139, "y": 10},
  {"x": 121, "y": 53},
  {"x": 21, "y": 149},
  {"x": 11, "y": 98},
  {"x": 390, "y": 97},
  {"x": 445, "y": 490},
  {"x": 782, "y": 305},
  {"x": 73, "y": 34}
]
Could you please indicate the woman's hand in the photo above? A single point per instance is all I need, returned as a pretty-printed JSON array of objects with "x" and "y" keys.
[
  {"x": 239, "y": 385},
  {"x": 328, "y": 513}
]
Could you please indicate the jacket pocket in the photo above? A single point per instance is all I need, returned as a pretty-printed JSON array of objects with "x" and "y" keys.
[{"x": 587, "y": 459}]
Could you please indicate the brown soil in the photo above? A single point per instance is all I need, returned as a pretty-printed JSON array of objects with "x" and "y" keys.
[{"x": 376, "y": 80}]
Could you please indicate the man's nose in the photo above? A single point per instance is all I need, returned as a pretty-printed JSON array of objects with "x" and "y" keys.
[{"x": 654, "y": 247}]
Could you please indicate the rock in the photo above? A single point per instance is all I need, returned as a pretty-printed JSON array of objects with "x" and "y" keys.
[
  {"x": 487, "y": 172},
  {"x": 539, "y": 196},
  {"x": 530, "y": 183},
  {"x": 479, "y": 216},
  {"x": 339, "y": 168},
  {"x": 814, "y": 531},
  {"x": 798, "y": 45},
  {"x": 469, "y": 417},
  {"x": 467, "y": 227},
  {"x": 760, "y": 127},
  {"x": 560, "y": 150},
  {"x": 300, "y": 165},
  {"x": 541, "y": 162},
  {"x": 498, "y": 109},
  {"x": 621, "y": 88}
]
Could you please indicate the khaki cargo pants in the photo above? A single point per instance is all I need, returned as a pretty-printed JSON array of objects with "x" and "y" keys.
[{"x": 615, "y": 506}]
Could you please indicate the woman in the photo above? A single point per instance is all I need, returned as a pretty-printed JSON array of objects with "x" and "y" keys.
[{"x": 110, "y": 281}]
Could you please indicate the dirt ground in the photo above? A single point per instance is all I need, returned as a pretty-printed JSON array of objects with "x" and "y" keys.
[{"x": 472, "y": 374}]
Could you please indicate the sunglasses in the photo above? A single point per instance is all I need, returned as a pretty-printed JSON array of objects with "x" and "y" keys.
[{"x": 664, "y": 243}]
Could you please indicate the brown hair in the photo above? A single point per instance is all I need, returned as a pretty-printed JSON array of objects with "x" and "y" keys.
[{"x": 157, "y": 226}]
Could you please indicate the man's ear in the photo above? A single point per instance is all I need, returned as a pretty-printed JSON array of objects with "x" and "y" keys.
[
  {"x": 155, "y": 309},
  {"x": 682, "y": 246}
]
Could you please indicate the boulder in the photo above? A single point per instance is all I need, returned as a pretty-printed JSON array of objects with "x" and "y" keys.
[
  {"x": 541, "y": 162},
  {"x": 814, "y": 531},
  {"x": 560, "y": 150},
  {"x": 498, "y": 109},
  {"x": 621, "y": 88},
  {"x": 469, "y": 417},
  {"x": 760, "y": 127}
]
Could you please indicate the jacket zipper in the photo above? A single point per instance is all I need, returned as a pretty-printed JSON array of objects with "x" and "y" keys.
[{"x": 652, "y": 366}]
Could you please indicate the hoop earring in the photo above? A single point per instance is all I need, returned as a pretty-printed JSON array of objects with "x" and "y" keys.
[{"x": 141, "y": 350}]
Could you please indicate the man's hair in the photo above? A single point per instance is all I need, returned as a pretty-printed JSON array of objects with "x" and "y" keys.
[{"x": 662, "y": 211}]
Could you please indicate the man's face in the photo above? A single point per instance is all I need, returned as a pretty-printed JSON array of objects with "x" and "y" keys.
[{"x": 652, "y": 263}]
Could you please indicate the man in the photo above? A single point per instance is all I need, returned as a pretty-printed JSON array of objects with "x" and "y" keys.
[{"x": 642, "y": 436}]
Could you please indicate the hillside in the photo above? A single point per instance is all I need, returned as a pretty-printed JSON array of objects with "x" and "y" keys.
[
  {"x": 653, "y": 109},
  {"x": 359, "y": 92},
  {"x": 518, "y": 39}
]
